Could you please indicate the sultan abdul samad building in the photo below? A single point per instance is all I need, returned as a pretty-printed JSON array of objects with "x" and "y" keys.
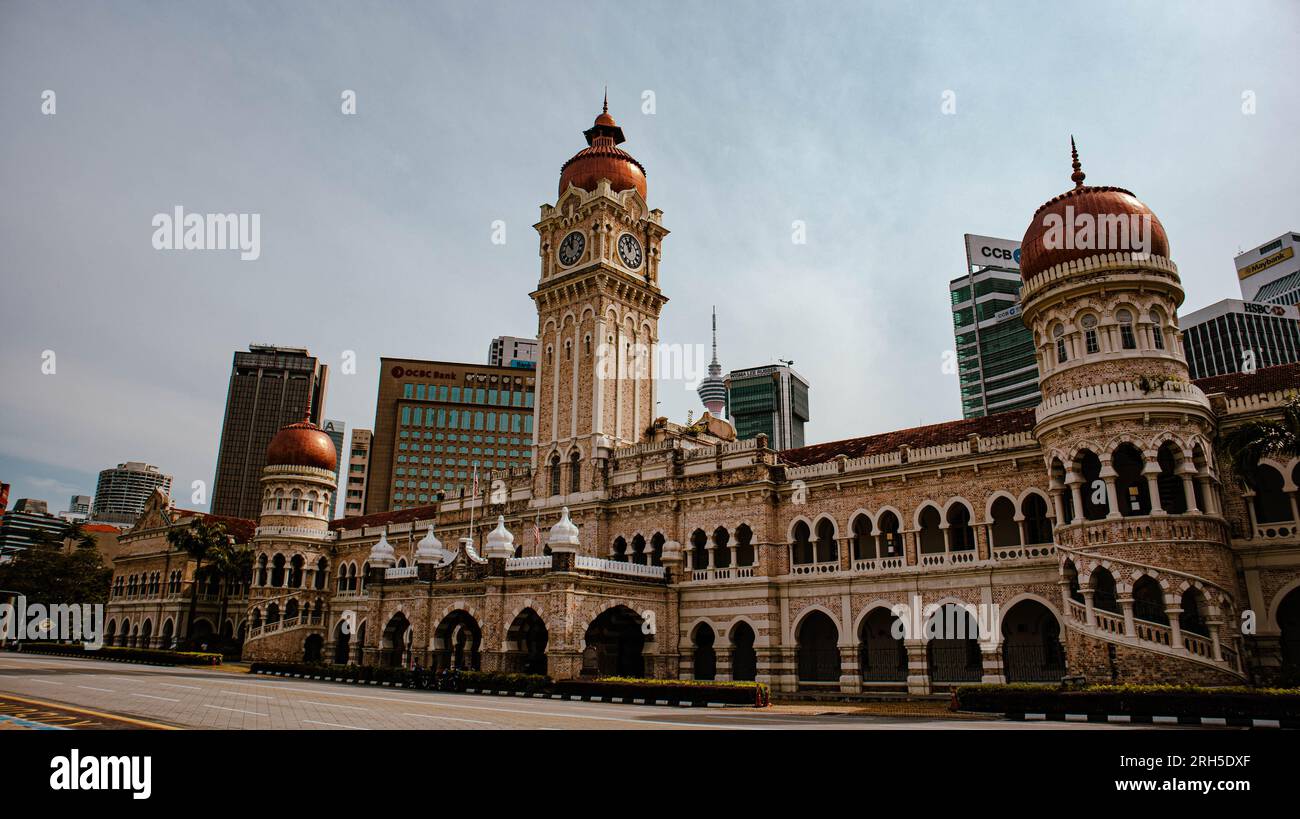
[{"x": 1098, "y": 527}]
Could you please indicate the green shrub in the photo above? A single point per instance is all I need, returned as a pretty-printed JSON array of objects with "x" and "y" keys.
[
  {"x": 694, "y": 691},
  {"x": 155, "y": 656},
  {"x": 1134, "y": 700}
]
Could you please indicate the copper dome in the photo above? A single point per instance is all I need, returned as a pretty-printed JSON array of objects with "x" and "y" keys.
[
  {"x": 1098, "y": 202},
  {"x": 601, "y": 159},
  {"x": 302, "y": 444}
]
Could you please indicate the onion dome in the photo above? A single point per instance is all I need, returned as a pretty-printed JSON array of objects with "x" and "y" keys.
[
  {"x": 564, "y": 535},
  {"x": 713, "y": 388},
  {"x": 382, "y": 554},
  {"x": 500, "y": 543},
  {"x": 429, "y": 549},
  {"x": 602, "y": 160},
  {"x": 672, "y": 553},
  {"x": 1088, "y": 221},
  {"x": 302, "y": 444}
]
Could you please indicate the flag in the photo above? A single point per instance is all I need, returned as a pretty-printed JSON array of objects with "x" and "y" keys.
[
  {"x": 475, "y": 492},
  {"x": 537, "y": 535}
]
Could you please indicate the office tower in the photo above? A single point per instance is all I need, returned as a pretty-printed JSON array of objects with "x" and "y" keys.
[
  {"x": 512, "y": 351},
  {"x": 996, "y": 366},
  {"x": 358, "y": 469},
  {"x": 26, "y": 524},
  {"x": 1233, "y": 336},
  {"x": 771, "y": 400},
  {"x": 122, "y": 491},
  {"x": 269, "y": 388},
  {"x": 1271, "y": 272},
  {"x": 335, "y": 430}
]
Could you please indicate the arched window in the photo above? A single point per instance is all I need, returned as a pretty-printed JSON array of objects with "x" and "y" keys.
[
  {"x": 1127, "y": 339},
  {"x": 744, "y": 545},
  {"x": 555, "y": 474},
  {"x": 1130, "y": 484},
  {"x": 657, "y": 549},
  {"x": 961, "y": 535},
  {"x": 1096, "y": 500},
  {"x": 1103, "y": 594},
  {"x": 1149, "y": 601},
  {"x": 575, "y": 472},
  {"x": 321, "y": 570},
  {"x": 1168, "y": 483},
  {"x": 827, "y": 549},
  {"x": 699, "y": 549},
  {"x": 721, "y": 548},
  {"x": 864, "y": 545},
  {"x": 1005, "y": 530},
  {"x": 277, "y": 571},
  {"x": 888, "y": 537},
  {"x": 619, "y": 553},
  {"x": 1058, "y": 333},
  {"x": 1089, "y": 323},
  {"x": 638, "y": 550},
  {"x": 931, "y": 536},
  {"x": 801, "y": 549},
  {"x": 1192, "y": 618},
  {"x": 1157, "y": 329},
  {"x": 295, "y": 572},
  {"x": 1271, "y": 503},
  {"x": 1038, "y": 526}
]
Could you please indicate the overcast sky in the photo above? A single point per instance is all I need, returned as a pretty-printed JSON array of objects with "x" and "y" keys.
[{"x": 376, "y": 229}]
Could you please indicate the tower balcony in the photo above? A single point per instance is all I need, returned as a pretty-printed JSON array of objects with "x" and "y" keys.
[{"x": 1097, "y": 398}]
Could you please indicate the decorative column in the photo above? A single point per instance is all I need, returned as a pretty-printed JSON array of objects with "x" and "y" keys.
[
  {"x": 1172, "y": 610},
  {"x": 1126, "y": 606},
  {"x": 1108, "y": 475},
  {"x": 993, "y": 673},
  {"x": 1075, "y": 482},
  {"x": 1189, "y": 470},
  {"x": 1089, "y": 616},
  {"x": 1214, "y": 624},
  {"x": 850, "y": 674},
  {"x": 1152, "y": 471},
  {"x": 918, "y": 670},
  {"x": 709, "y": 546}
]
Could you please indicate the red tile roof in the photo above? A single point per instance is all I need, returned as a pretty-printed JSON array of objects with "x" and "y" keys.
[
  {"x": 1269, "y": 379},
  {"x": 241, "y": 528},
  {"x": 385, "y": 518},
  {"x": 99, "y": 527},
  {"x": 1003, "y": 423}
]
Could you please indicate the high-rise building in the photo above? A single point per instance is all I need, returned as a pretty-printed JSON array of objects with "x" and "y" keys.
[
  {"x": 79, "y": 508},
  {"x": 335, "y": 430},
  {"x": 1233, "y": 336},
  {"x": 270, "y": 387},
  {"x": 713, "y": 388},
  {"x": 122, "y": 491},
  {"x": 771, "y": 400},
  {"x": 1271, "y": 272},
  {"x": 996, "y": 365},
  {"x": 436, "y": 421},
  {"x": 354, "y": 491},
  {"x": 512, "y": 351},
  {"x": 28, "y": 521}
]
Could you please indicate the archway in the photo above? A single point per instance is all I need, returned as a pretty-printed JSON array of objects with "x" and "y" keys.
[
  {"x": 1031, "y": 647},
  {"x": 706, "y": 661},
  {"x": 1005, "y": 529},
  {"x": 456, "y": 642},
  {"x": 617, "y": 639},
  {"x": 882, "y": 655},
  {"x": 1149, "y": 601},
  {"x": 817, "y": 649},
  {"x": 527, "y": 638},
  {"x": 342, "y": 643},
  {"x": 146, "y": 634},
  {"x": 312, "y": 648},
  {"x": 952, "y": 647},
  {"x": 165, "y": 639},
  {"x": 393, "y": 643},
  {"x": 744, "y": 660}
]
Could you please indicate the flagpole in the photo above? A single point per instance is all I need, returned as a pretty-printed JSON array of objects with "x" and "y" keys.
[{"x": 473, "y": 493}]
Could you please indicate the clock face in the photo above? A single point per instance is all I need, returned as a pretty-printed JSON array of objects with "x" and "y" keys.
[
  {"x": 629, "y": 250},
  {"x": 571, "y": 248}
]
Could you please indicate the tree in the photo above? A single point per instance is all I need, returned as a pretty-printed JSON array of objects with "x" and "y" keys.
[
  {"x": 196, "y": 540},
  {"x": 75, "y": 532},
  {"x": 1243, "y": 448},
  {"x": 46, "y": 574},
  {"x": 228, "y": 563}
]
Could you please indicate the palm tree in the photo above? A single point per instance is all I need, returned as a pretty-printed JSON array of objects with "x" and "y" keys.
[
  {"x": 197, "y": 540},
  {"x": 1244, "y": 447},
  {"x": 228, "y": 563},
  {"x": 75, "y": 532}
]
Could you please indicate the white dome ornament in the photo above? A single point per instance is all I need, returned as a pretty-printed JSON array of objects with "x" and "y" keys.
[
  {"x": 382, "y": 554},
  {"x": 429, "y": 549},
  {"x": 564, "y": 535},
  {"x": 500, "y": 543}
]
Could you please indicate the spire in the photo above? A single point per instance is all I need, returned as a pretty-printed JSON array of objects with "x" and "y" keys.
[
  {"x": 604, "y": 106},
  {"x": 715, "y": 335},
  {"x": 1078, "y": 176},
  {"x": 713, "y": 389}
]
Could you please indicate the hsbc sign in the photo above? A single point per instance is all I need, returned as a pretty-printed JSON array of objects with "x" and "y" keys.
[{"x": 987, "y": 251}]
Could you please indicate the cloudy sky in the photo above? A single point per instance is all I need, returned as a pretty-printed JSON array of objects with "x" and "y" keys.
[{"x": 376, "y": 229}]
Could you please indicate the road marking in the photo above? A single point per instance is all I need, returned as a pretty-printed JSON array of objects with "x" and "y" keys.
[
  {"x": 242, "y": 694},
  {"x": 174, "y": 685},
  {"x": 152, "y": 697},
  {"x": 450, "y": 719},
  {"x": 236, "y": 710},
  {"x": 93, "y": 688},
  {"x": 46, "y": 682},
  {"x": 332, "y": 705},
  {"x": 333, "y": 725}
]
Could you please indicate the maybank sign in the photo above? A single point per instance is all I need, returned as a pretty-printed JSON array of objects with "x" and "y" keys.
[{"x": 987, "y": 251}]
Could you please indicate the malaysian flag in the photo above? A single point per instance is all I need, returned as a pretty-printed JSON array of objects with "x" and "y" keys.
[
  {"x": 475, "y": 492},
  {"x": 537, "y": 533}
]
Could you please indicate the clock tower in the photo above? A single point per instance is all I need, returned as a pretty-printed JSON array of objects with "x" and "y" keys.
[{"x": 598, "y": 304}]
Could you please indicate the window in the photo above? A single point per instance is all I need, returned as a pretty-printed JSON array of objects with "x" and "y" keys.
[
  {"x": 1058, "y": 333},
  {"x": 1157, "y": 332},
  {"x": 1090, "y": 334},
  {"x": 1127, "y": 340},
  {"x": 575, "y": 473}
]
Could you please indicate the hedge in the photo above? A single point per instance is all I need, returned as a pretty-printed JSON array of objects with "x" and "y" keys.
[
  {"x": 1133, "y": 700},
  {"x": 693, "y": 691},
  {"x": 152, "y": 656},
  {"x": 628, "y": 688}
]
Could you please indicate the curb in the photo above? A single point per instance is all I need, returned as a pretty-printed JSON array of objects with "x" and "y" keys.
[
  {"x": 532, "y": 695},
  {"x": 1148, "y": 719}
]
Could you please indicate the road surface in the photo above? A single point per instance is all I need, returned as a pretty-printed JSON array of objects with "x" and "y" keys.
[{"x": 206, "y": 698}]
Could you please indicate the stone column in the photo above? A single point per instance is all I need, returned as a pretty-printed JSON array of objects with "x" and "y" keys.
[
  {"x": 1152, "y": 471},
  {"x": 1172, "y": 610},
  {"x": 1214, "y": 624},
  {"x": 1075, "y": 482},
  {"x": 850, "y": 671},
  {"x": 1126, "y": 606},
  {"x": 993, "y": 674},
  {"x": 1090, "y": 616},
  {"x": 1108, "y": 475},
  {"x": 918, "y": 670}
]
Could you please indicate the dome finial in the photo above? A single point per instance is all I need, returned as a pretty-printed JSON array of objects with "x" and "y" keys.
[
  {"x": 1078, "y": 176},
  {"x": 604, "y": 106}
]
